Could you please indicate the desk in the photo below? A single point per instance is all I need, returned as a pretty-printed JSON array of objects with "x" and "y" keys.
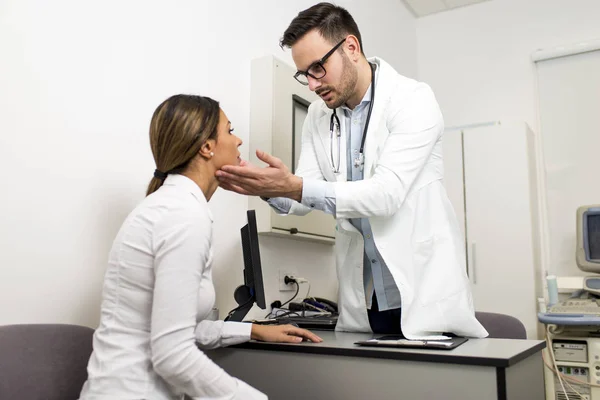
[{"x": 480, "y": 369}]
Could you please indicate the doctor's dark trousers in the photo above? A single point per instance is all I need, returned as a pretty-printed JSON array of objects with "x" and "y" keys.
[{"x": 387, "y": 321}]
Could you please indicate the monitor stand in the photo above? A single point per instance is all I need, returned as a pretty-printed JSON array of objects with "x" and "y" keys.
[{"x": 245, "y": 298}]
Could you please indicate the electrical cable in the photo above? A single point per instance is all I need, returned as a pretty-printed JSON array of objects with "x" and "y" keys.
[
  {"x": 286, "y": 313},
  {"x": 566, "y": 378},
  {"x": 561, "y": 377},
  {"x": 305, "y": 305},
  {"x": 295, "y": 294}
]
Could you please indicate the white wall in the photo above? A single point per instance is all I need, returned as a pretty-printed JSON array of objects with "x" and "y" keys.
[
  {"x": 79, "y": 82},
  {"x": 478, "y": 58},
  {"x": 478, "y": 61}
]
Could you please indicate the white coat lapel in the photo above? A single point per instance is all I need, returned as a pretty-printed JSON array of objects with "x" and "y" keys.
[
  {"x": 376, "y": 132},
  {"x": 322, "y": 127}
]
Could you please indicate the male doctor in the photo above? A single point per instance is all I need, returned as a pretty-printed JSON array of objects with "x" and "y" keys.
[{"x": 372, "y": 157}]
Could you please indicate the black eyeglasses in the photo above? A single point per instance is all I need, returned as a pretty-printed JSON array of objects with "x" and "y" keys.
[{"x": 316, "y": 70}]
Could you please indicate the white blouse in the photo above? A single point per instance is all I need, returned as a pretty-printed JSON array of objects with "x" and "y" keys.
[{"x": 157, "y": 293}]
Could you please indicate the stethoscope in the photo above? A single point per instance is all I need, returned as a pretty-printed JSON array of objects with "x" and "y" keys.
[{"x": 334, "y": 126}]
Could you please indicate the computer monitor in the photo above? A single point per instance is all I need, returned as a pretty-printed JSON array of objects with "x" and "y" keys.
[
  {"x": 252, "y": 291},
  {"x": 588, "y": 238}
]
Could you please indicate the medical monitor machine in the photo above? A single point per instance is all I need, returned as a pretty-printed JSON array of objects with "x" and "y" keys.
[
  {"x": 252, "y": 291},
  {"x": 583, "y": 306},
  {"x": 587, "y": 253}
]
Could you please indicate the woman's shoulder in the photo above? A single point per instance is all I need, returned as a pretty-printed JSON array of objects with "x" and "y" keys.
[{"x": 166, "y": 207}]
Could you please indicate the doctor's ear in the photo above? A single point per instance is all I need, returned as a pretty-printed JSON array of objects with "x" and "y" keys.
[
  {"x": 353, "y": 47},
  {"x": 207, "y": 149}
]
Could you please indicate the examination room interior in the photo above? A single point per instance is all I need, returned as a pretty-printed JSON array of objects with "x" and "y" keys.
[{"x": 79, "y": 81}]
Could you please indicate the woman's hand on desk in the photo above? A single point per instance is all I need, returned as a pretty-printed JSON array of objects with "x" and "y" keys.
[{"x": 282, "y": 334}]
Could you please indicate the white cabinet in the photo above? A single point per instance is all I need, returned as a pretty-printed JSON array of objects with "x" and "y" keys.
[
  {"x": 490, "y": 176},
  {"x": 278, "y": 106}
]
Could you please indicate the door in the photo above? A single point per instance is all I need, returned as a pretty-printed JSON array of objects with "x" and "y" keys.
[
  {"x": 454, "y": 174},
  {"x": 499, "y": 221}
]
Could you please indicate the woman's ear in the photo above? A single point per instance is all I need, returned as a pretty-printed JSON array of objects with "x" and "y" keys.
[{"x": 207, "y": 149}]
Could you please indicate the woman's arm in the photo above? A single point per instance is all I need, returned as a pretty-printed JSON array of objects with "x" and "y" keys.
[
  {"x": 213, "y": 334},
  {"x": 181, "y": 248}
]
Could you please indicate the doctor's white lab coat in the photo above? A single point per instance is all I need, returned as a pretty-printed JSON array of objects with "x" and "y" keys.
[{"x": 414, "y": 225}]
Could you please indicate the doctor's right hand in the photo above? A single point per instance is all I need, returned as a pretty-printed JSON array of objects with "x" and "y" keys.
[
  {"x": 282, "y": 334},
  {"x": 274, "y": 180}
]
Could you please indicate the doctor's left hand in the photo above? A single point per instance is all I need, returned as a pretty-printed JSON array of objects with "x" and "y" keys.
[{"x": 274, "y": 180}]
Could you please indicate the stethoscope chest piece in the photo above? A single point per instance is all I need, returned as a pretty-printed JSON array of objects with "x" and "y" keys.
[{"x": 359, "y": 162}]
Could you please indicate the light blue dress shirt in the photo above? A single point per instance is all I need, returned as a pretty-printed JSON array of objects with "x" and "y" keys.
[{"x": 321, "y": 195}]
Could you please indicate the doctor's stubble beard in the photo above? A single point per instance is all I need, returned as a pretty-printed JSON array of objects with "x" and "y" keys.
[{"x": 347, "y": 84}]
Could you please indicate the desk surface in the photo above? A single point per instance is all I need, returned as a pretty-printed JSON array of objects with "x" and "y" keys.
[{"x": 483, "y": 352}]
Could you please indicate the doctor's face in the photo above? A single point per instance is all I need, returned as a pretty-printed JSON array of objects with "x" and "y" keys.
[{"x": 339, "y": 82}]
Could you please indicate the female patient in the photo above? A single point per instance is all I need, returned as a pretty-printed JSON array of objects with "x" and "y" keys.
[{"x": 158, "y": 288}]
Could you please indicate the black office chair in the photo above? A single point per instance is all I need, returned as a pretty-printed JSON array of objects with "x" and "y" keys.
[
  {"x": 43, "y": 361},
  {"x": 502, "y": 326}
]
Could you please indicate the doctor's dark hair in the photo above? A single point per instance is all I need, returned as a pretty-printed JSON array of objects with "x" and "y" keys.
[
  {"x": 180, "y": 125},
  {"x": 331, "y": 21}
]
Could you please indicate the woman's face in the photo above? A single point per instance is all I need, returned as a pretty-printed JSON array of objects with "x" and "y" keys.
[{"x": 226, "y": 147}]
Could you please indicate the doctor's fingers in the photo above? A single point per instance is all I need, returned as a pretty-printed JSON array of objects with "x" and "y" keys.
[
  {"x": 242, "y": 181},
  {"x": 240, "y": 186},
  {"x": 269, "y": 159},
  {"x": 234, "y": 188},
  {"x": 248, "y": 170}
]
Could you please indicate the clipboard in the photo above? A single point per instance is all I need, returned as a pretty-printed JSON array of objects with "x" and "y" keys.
[{"x": 401, "y": 341}]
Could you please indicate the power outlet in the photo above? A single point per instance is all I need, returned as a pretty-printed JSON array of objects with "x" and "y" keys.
[{"x": 282, "y": 286}]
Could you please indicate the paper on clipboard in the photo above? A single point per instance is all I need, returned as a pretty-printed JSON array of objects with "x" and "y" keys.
[
  {"x": 400, "y": 341},
  {"x": 406, "y": 342}
]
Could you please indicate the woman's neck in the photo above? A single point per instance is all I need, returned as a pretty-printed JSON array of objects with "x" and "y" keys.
[{"x": 204, "y": 176}]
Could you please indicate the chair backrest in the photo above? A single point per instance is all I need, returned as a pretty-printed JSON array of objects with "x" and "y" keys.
[
  {"x": 43, "y": 361},
  {"x": 502, "y": 326}
]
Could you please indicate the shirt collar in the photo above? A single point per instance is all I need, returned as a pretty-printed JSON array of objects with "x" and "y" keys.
[
  {"x": 185, "y": 183},
  {"x": 365, "y": 100}
]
